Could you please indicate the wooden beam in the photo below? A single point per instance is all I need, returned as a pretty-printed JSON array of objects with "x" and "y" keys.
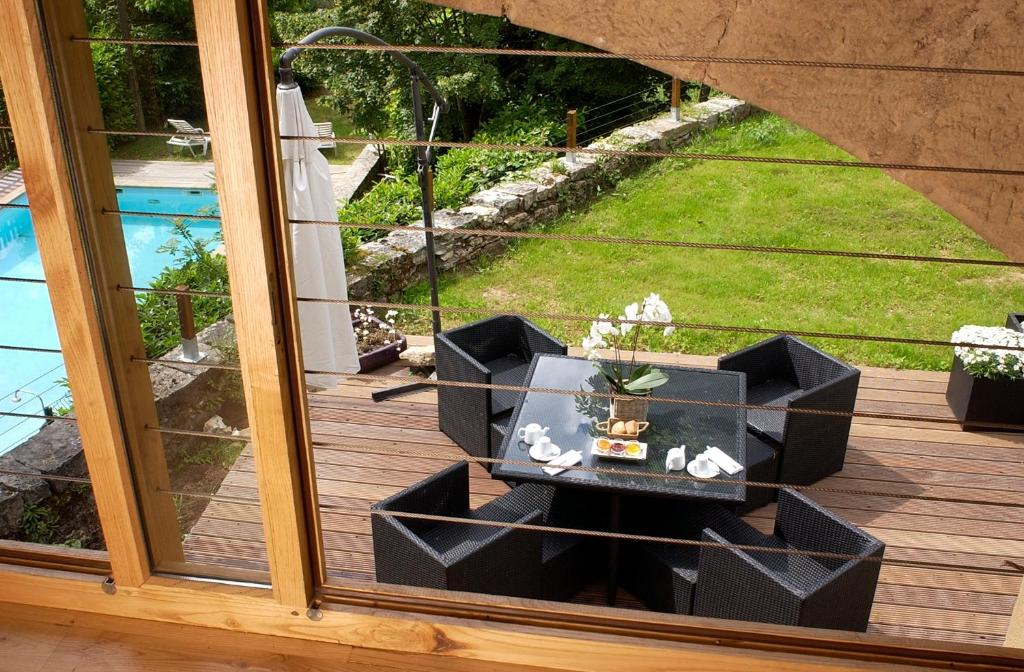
[
  {"x": 113, "y": 402},
  {"x": 403, "y": 641},
  {"x": 243, "y": 127},
  {"x": 1015, "y": 631}
]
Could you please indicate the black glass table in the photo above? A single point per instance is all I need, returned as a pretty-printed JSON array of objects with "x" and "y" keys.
[{"x": 572, "y": 421}]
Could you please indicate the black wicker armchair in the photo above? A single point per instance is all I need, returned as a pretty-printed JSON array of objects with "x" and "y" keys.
[
  {"x": 664, "y": 575},
  {"x": 452, "y": 555},
  {"x": 1015, "y": 321},
  {"x": 497, "y": 351},
  {"x": 788, "y": 589},
  {"x": 569, "y": 561},
  {"x": 762, "y": 467},
  {"x": 786, "y": 372}
]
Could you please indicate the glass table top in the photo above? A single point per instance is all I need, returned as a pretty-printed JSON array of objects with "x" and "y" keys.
[{"x": 572, "y": 420}]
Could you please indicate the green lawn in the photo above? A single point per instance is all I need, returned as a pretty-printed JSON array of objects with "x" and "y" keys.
[
  {"x": 760, "y": 205},
  {"x": 155, "y": 149}
]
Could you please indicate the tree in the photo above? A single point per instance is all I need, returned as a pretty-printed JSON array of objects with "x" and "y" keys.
[{"x": 373, "y": 88}]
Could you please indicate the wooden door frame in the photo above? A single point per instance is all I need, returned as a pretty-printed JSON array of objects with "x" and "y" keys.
[{"x": 426, "y": 627}]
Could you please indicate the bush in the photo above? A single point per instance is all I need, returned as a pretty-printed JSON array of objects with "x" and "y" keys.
[
  {"x": 197, "y": 268},
  {"x": 459, "y": 172}
]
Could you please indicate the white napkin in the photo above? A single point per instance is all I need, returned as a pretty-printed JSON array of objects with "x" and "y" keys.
[
  {"x": 562, "y": 461},
  {"x": 674, "y": 454},
  {"x": 726, "y": 463}
]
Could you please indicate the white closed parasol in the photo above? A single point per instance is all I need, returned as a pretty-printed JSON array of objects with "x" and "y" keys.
[{"x": 328, "y": 341}]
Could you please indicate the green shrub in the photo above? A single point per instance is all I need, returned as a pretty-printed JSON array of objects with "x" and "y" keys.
[
  {"x": 199, "y": 269},
  {"x": 459, "y": 172}
]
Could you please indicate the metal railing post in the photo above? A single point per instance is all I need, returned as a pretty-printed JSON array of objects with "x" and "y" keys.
[
  {"x": 187, "y": 321},
  {"x": 677, "y": 94},
  {"x": 570, "y": 135}
]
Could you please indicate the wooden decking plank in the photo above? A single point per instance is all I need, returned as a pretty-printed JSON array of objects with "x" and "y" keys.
[{"x": 892, "y": 466}]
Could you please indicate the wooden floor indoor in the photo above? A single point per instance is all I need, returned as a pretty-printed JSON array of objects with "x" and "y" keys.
[{"x": 983, "y": 472}]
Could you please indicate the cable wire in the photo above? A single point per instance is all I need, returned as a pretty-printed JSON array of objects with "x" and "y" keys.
[
  {"x": 568, "y": 317},
  {"x": 704, "y": 403},
  {"x": 404, "y": 451},
  {"x": 603, "y": 151},
  {"x": 609, "y": 240},
  {"x": 591, "y": 54}
]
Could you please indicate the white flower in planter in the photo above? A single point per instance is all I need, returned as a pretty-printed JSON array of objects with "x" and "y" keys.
[
  {"x": 985, "y": 362},
  {"x": 628, "y": 377}
]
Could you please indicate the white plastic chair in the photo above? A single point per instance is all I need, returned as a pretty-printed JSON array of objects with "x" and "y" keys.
[
  {"x": 325, "y": 130},
  {"x": 191, "y": 137}
]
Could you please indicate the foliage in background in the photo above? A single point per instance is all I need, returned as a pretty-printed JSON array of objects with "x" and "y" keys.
[
  {"x": 460, "y": 172},
  {"x": 197, "y": 267},
  {"x": 770, "y": 205},
  {"x": 375, "y": 88},
  {"x": 8, "y": 154}
]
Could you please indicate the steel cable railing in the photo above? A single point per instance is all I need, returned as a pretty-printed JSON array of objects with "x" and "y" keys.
[
  {"x": 606, "y": 396},
  {"x": 568, "y": 317},
  {"x": 388, "y": 451},
  {"x": 609, "y": 152},
  {"x": 591, "y": 54},
  {"x": 606, "y": 240},
  {"x": 1012, "y": 569}
]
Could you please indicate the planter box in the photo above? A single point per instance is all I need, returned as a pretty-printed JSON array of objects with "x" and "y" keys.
[
  {"x": 1015, "y": 321},
  {"x": 978, "y": 400},
  {"x": 383, "y": 355}
]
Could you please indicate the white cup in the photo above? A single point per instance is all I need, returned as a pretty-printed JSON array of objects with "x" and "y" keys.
[
  {"x": 532, "y": 432},
  {"x": 546, "y": 447},
  {"x": 703, "y": 465},
  {"x": 675, "y": 459}
]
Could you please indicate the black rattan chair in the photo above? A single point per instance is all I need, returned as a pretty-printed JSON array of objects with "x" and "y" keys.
[
  {"x": 569, "y": 561},
  {"x": 452, "y": 555},
  {"x": 497, "y": 351},
  {"x": 786, "y": 372},
  {"x": 664, "y": 575},
  {"x": 763, "y": 467},
  {"x": 1015, "y": 321},
  {"x": 789, "y": 589}
]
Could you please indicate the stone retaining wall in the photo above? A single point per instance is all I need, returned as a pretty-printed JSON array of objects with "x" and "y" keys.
[
  {"x": 360, "y": 175},
  {"x": 393, "y": 263},
  {"x": 56, "y": 450}
]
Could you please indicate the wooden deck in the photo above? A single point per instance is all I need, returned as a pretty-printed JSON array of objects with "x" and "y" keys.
[{"x": 982, "y": 472}]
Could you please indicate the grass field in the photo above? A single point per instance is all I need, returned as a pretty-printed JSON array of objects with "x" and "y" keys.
[
  {"x": 772, "y": 205},
  {"x": 156, "y": 149}
]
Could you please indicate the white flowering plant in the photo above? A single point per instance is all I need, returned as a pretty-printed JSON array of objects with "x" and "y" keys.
[
  {"x": 626, "y": 377},
  {"x": 985, "y": 362},
  {"x": 373, "y": 332}
]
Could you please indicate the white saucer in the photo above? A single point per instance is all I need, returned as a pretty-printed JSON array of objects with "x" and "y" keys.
[
  {"x": 540, "y": 457},
  {"x": 711, "y": 473}
]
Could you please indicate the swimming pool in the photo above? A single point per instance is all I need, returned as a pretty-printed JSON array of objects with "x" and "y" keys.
[{"x": 25, "y": 311}]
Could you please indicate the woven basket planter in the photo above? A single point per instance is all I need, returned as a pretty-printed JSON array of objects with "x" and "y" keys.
[
  {"x": 630, "y": 408},
  {"x": 982, "y": 400}
]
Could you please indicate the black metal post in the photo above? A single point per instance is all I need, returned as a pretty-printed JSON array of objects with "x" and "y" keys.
[{"x": 424, "y": 172}]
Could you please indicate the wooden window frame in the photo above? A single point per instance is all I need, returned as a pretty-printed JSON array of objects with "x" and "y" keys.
[{"x": 67, "y": 195}]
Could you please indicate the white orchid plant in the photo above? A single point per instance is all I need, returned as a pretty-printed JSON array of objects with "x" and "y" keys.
[
  {"x": 624, "y": 377},
  {"x": 985, "y": 362}
]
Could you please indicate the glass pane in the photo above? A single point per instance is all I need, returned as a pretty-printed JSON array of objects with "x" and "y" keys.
[
  {"x": 170, "y": 232},
  {"x": 45, "y": 494}
]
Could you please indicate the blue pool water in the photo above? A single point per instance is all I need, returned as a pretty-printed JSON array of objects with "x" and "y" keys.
[{"x": 26, "y": 317}]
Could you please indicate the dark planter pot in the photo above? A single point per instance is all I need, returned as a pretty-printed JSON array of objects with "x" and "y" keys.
[
  {"x": 1015, "y": 321},
  {"x": 980, "y": 400},
  {"x": 383, "y": 355}
]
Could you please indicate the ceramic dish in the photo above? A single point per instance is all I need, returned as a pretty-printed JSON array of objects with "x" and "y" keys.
[
  {"x": 713, "y": 470},
  {"x": 617, "y": 449},
  {"x": 541, "y": 457}
]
